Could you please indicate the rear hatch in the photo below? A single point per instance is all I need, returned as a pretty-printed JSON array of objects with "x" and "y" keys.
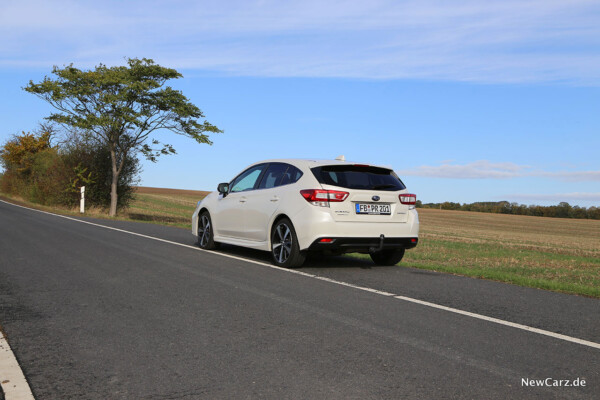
[{"x": 373, "y": 193}]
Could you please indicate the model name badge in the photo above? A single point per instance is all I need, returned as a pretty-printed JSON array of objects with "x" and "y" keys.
[{"x": 342, "y": 212}]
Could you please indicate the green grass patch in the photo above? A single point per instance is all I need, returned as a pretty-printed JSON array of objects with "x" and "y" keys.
[{"x": 531, "y": 268}]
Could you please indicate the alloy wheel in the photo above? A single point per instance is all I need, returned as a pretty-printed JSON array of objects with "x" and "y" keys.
[
  {"x": 282, "y": 243},
  {"x": 204, "y": 231}
]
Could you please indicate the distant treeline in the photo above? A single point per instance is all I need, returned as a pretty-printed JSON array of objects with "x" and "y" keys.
[{"x": 562, "y": 210}]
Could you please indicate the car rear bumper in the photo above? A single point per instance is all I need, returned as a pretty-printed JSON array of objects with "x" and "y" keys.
[
  {"x": 362, "y": 244},
  {"x": 314, "y": 223}
]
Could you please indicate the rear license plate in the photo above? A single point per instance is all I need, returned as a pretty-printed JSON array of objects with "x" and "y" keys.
[{"x": 377, "y": 209}]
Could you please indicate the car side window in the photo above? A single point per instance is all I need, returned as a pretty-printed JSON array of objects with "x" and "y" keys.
[
  {"x": 273, "y": 175},
  {"x": 247, "y": 179},
  {"x": 291, "y": 175}
]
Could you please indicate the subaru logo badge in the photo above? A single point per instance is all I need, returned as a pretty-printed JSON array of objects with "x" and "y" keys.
[{"x": 375, "y": 198}]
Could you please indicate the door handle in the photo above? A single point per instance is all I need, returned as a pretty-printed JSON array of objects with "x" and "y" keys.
[
  {"x": 275, "y": 198},
  {"x": 242, "y": 199}
]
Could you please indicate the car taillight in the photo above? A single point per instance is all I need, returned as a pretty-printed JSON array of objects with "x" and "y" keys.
[
  {"x": 408, "y": 199},
  {"x": 320, "y": 197}
]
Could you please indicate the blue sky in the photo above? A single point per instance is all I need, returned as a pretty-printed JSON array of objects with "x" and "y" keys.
[{"x": 466, "y": 100}]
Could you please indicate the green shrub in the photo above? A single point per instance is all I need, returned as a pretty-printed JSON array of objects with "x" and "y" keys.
[
  {"x": 91, "y": 166},
  {"x": 53, "y": 175},
  {"x": 49, "y": 179}
]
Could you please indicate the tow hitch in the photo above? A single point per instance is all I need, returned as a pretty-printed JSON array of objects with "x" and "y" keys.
[{"x": 376, "y": 249}]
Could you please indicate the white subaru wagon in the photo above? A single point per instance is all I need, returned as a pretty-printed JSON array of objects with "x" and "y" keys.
[{"x": 291, "y": 207}]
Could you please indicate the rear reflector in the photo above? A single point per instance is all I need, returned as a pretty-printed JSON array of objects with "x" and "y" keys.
[
  {"x": 320, "y": 195},
  {"x": 408, "y": 199},
  {"x": 326, "y": 240}
]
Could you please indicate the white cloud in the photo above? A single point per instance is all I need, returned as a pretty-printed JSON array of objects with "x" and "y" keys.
[
  {"x": 573, "y": 176},
  {"x": 484, "y": 169},
  {"x": 481, "y": 41},
  {"x": 481, "y": 169}
]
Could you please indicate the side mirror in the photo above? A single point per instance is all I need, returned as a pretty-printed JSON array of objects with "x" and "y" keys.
[{"x": 223, "y": 188}]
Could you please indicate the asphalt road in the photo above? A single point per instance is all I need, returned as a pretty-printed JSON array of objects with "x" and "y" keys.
[{"x": 94, "y": 313}]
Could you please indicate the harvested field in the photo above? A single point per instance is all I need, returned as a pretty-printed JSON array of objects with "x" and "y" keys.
[
  {"x": 557, "y": 235},
  {"x": 550, "y": 253},
  {"x": 164, "y": 206},
  {"x": 166, "y": 191}
]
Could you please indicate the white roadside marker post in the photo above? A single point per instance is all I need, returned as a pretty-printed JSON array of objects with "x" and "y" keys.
[{"x": 82, "y": 201}]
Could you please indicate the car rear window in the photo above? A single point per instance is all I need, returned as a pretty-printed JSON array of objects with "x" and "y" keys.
[{"x": 358, "y": 177}]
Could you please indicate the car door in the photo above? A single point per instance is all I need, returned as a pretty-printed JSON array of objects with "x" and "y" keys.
[
  {"x": 229, "y": 218},
  {"x": 263, "y": 202}
]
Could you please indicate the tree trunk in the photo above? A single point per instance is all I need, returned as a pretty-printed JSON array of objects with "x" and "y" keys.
[
  {"x": 113, "y": 185},
  {"x": 113, "y": 195}
]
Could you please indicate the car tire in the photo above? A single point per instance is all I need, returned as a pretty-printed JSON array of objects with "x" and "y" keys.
[
  {"x": 285, "y": 248},
  {"x": 387, "y": 257},
  {"x": 206, "y": 238}
]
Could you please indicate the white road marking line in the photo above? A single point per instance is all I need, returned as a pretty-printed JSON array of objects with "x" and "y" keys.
[
  {"x": 322, "y": 278},
  {"x": 12, "y": 380},
  {"x": 501, "y": 322},
  {"x": 366, "y": 289}
]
